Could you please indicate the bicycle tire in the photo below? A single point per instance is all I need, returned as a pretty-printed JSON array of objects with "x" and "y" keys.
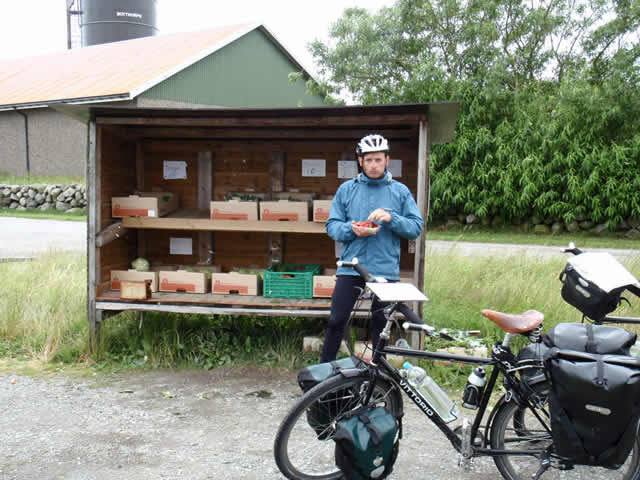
[
  {"x": 301, "y": 451},
  {"x": 516, "y": 428}
]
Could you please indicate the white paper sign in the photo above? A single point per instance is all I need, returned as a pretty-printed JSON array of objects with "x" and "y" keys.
[
  {"x": 395, "y": 167},
  {"x": 347, "y": 168},
  {"x": 313, "y": 167},
  {"x": 397, "y": 292},
  {"x": 338, "y": 249},
  {"x": 180, "y": 246},
  {"x": 174, "y": 170}
]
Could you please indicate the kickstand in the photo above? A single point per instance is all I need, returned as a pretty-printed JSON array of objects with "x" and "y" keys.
[{"x": 545, "y": 463}]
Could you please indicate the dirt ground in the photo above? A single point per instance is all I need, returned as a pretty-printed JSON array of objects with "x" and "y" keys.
[{"x": 174, "y": 425}]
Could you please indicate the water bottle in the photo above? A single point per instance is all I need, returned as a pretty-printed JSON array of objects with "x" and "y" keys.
[
  {"x": 474, "y": 388},
  {"x": 437, "y": 398}
]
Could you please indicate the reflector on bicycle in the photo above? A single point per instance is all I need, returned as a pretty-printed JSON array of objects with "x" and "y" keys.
[{"x": 397, "y": 292}]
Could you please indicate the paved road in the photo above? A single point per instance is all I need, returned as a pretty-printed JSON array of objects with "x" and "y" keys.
[
  {"x": 24, "y": 237},
  {"x": 21, "y": 237}
]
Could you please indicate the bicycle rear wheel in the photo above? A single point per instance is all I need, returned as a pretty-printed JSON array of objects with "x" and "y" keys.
[
  {"x": 304, "y": 447},
  {"x": 517, "y": 428}
]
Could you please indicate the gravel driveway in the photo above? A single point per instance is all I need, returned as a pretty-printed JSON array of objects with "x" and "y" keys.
[{"x": 174, "y": 425}]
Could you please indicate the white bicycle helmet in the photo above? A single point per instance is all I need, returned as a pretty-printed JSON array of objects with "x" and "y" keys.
[{"x": 372, "y": 143}]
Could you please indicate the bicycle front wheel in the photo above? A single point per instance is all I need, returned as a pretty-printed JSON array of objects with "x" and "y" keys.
[
  {"x": 304, "y": 446},
  {"x": 517, "y": 428}
]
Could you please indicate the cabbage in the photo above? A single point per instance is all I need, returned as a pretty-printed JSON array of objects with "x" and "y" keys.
[{"x": 141, "y": 264}]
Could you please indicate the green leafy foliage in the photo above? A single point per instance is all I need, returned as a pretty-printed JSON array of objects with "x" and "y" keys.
[{"x": 549, "y": 91}]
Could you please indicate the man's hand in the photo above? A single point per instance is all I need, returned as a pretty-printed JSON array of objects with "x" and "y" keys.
[
  {"x": 380, "y": 215},
  {"x": 363, "y": 231}
]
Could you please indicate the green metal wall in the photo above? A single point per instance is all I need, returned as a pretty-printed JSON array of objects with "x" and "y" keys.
[{"x": 249, "y": 72}]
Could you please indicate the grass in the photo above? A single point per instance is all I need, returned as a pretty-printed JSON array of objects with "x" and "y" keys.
[
  {"x": 43, "y": 317},
  {"x": 77, "y": 216},
  {"x": 513, "y": 234},
  {"x": 8, "y": 179}
]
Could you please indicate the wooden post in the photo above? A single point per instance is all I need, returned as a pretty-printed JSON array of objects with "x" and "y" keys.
[
  {"x": 276, "y": 185},
  {"x": 205, "y": 195},
  {"x": 423, "y": 202},
  {"x": 140, "y": 234},
  {"x": 423, "y": 206},
  {"x": 93, "y": 225}
]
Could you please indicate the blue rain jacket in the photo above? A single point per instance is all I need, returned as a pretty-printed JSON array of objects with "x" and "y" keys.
[{"x": 354, "y": 201}]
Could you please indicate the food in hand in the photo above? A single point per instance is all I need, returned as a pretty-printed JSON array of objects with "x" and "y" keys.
[{"x": 366, "y": 226}]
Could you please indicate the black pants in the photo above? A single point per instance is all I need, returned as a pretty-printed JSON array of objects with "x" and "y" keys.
[{"x": 345, "y": 294}]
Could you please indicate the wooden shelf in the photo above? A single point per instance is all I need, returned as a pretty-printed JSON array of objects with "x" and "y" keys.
[
  {"x": 227, "y": 304},
  {"x": 199, "y": 220}
]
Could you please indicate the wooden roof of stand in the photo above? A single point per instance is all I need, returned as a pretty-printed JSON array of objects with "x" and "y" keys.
[{"x": 317, "y": 122}]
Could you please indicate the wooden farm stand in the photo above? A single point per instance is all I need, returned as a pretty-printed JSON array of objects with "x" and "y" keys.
[{"x": 258, "y": 151}]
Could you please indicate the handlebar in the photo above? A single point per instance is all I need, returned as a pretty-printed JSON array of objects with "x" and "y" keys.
[
  {"x": 358, "y": 268},
  {"x": 409, "y": 314}
]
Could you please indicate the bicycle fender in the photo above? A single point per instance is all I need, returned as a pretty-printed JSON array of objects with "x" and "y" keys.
[
  {"x": 510, "y": 396},
  {"x": 351, "y": 372}
]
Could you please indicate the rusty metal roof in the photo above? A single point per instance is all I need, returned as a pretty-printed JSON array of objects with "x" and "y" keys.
[{"x": 112, "y": 71}]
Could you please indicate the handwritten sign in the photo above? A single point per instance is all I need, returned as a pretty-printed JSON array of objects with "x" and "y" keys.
[
  {"x": 347, "y": 168},
  {"x": 313, "y": 167},
  {"x": 174, "y": 170}
]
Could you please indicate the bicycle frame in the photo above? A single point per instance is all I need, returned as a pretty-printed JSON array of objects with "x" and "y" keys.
[{"x": 499, "y": 366}]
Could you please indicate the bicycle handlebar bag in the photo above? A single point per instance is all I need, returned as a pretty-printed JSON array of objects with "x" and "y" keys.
[
  {"x": 593, "y": 283},
  {"x": 367, "y": 443},
  {"x": 585, "y": 337},
  {"x": 321, "y": 414},
  {"x": 594, "y": 405}
]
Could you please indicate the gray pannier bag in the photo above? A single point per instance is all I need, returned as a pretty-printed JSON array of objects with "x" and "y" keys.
[
  {"x": 594, "y": 405},
  {"x": 585, "y": 337}
]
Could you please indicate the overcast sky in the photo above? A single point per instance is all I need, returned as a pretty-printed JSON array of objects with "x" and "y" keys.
[{"x": 34, "y": 27}]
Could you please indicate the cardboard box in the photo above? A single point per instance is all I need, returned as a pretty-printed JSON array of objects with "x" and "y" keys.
[
  {"x": 135, "y": 290},
  {"x": 144, "y": 204},
  {"x": 284, "y": 210},
  {"x": 323, "y": 285},
  {"x": 119, "y": 276},
  {"x": 234, "y": 210},
  {"x": 238, "y": 283},
  {"x": 321, "y": 210},
  {"x": 183, "y": 281}
]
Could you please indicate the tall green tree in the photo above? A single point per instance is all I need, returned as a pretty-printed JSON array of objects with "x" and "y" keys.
[{"x": 549, "y": 92}]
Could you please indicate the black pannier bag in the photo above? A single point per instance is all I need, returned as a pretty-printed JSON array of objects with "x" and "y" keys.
[
  {"x": 586, "y": 296},
  {"x": 594, "y": 406},
  {"x": 367, "y": 443},
  {"x": 321, "y": 414},
  {"x": 585, "y": 337},
  {"x": 593, "y": 283}
]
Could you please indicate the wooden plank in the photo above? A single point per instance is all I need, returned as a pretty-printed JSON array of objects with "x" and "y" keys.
[
  {"x": 210, "y": 298},
  {"x": 257, "y": 146},
  {"x": 276, "y": 242},
  {"x": 141, "y": 234},
  {"x": 205, "y": 195},
  {"x": 422, "y": 201},
  {"x": 280, "y": 121},
  {"x": 183, "y": 220},
  {"x": 327, "y": 134},
  {"x": 93, "y": 220}
]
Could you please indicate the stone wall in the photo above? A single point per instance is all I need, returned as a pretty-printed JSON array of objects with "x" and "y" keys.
[
  {"x": 65, "y": 198},
  {"x": 629, "y": 227}
]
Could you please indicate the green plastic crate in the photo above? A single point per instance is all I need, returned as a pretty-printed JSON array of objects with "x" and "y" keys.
[{"x": 290, "y": 281}]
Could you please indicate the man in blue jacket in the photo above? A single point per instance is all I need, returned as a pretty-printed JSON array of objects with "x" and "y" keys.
[{"x": 372, "y": 195}]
